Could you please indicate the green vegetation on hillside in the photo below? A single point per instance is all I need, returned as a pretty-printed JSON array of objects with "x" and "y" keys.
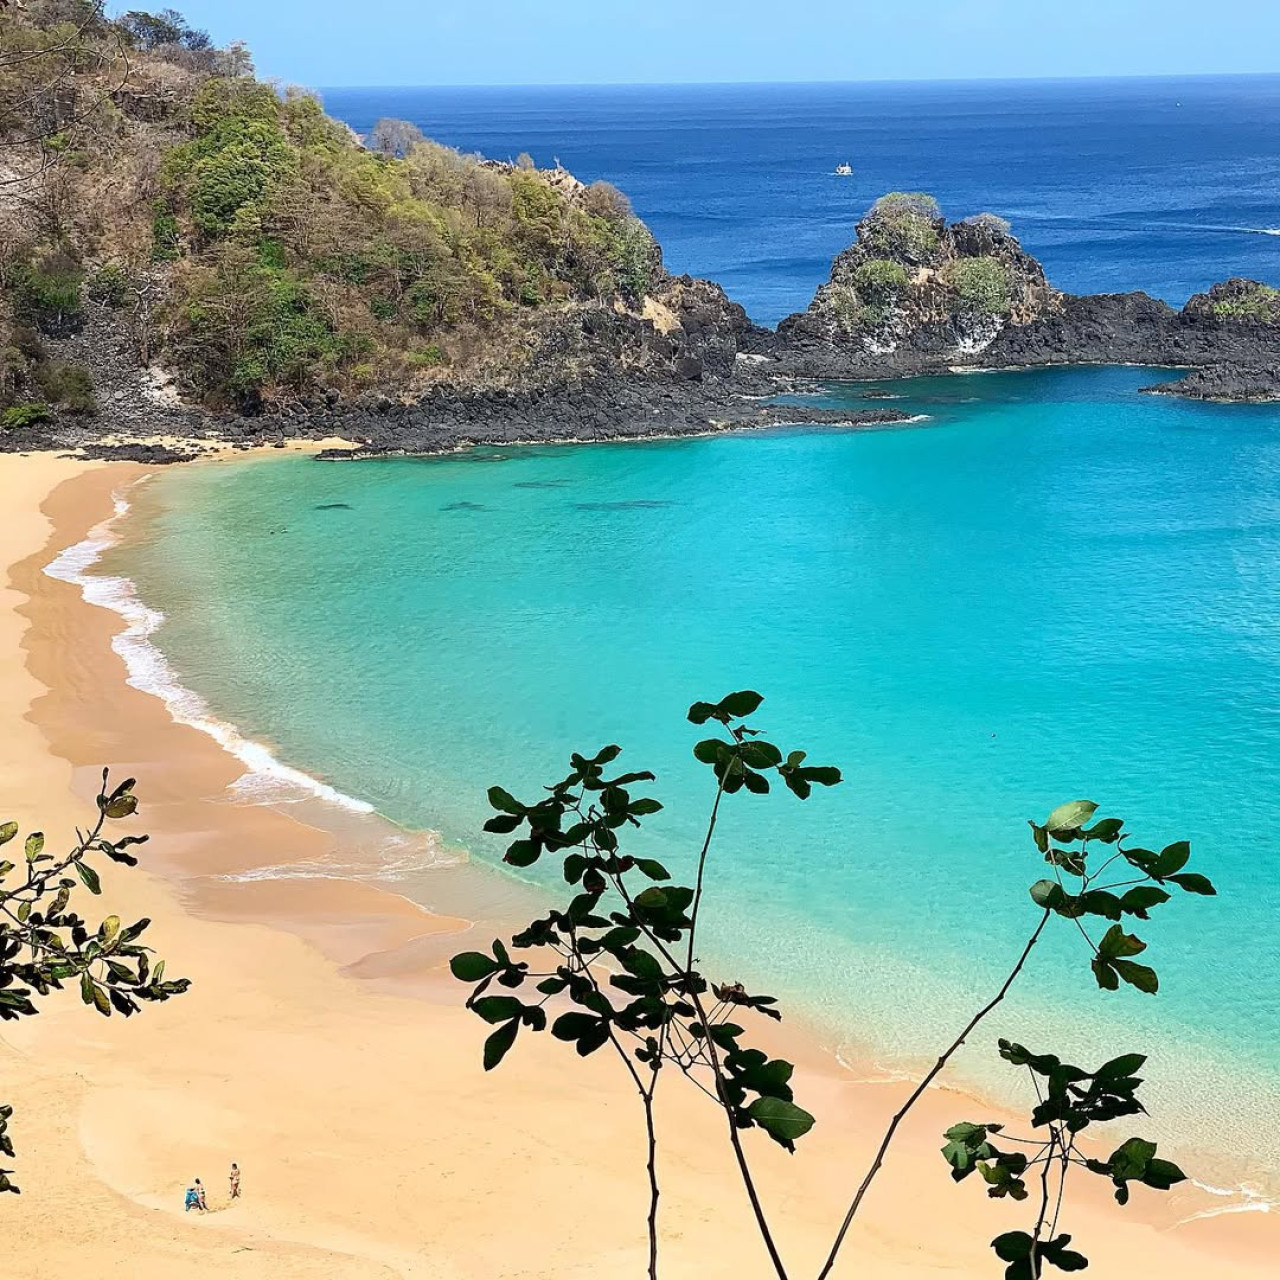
[
  {"x": 266, "y": 252},
  {"x": 1259, "y": 303},
  {"x": 902, "y": 224},
  {"x": 981, "y": 285}
]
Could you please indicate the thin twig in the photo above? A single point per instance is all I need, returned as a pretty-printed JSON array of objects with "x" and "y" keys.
[{"x": 919, "y": 1092}]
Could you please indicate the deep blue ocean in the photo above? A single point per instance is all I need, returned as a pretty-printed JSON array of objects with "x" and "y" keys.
[
  {"x": 1051, "y": 587},
  {"x": 1159, "y": 184}
]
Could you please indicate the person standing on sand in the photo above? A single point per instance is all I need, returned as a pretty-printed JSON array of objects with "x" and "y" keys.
[
  {"x": 204, "y": 1206},
  {"x": 235, "y": 1181}
]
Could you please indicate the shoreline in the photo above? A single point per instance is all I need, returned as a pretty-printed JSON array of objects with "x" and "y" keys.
[
  {"x": 444, "y": 420},
  {"x": 380, "y": 975}
]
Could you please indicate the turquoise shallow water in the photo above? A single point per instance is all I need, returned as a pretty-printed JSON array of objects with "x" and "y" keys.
[{"x": 1054, "y": 588}]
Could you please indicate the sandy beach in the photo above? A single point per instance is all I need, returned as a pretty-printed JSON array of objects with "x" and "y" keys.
[{"x": 323, "y": 1047}]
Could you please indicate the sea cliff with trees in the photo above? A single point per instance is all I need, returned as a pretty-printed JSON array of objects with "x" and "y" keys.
[{"x": 191, "y": 252}]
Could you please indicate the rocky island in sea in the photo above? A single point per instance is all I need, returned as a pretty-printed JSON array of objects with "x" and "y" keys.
[{"x": 234, "y": 265}]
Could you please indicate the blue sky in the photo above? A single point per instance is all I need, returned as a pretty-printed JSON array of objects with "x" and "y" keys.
[{"x": 418, "y": 42}]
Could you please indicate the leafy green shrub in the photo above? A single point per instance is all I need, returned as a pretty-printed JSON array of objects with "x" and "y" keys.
[
  {"x": 428, "y": 358},
  {"x": 902, "y": 224},
  {"x": 992, "y": 222},
  {"x": 981, "y": 285},
  {"x": 634, "y": 258},
  {"x": 850, "y": 311},
  {"x": 904, "y": 204},
  {"x": 46, "y": 295},
  {"x": 166, "y": 235},
  {"x": 240, "y": 163},
  {"x": 108, "y": 285},
  {"x": 68, "y": 385},
  {"x": 1259, "y": 305},
  {"x": 223, "y": 97},
  {"x": 880, "y": 279},
  {"x": 25, "y": 415}
]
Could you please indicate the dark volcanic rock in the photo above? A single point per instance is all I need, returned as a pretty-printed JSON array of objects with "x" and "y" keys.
[{"x": 1224, "y": 382}]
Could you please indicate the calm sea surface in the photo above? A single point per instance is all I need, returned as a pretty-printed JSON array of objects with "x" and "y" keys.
[
  {"x": 1165, "y": 185},
  {"x": 1053, "y": 588}
]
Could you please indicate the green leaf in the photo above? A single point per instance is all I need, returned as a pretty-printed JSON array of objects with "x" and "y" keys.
[
  {"x": 1140, "y": 899},
  {"x": 505, "y": 801},
  {"x": 742, "y": 703},
  {"x": 1115, "y": 942},
  {"x": 1107, "y": 830},
  {"x": 1107, "y": 978},
  {"x": 1048, "y": 894},
  {"x": 1130, "y": 1159},
  {"x": 645, "y": 806},
  {"x": 496, "y": 1046},
  {"x": 522, "y": 853},
  {"x": 760, "y": 755},
  {"x": 109, "y": 928},
  {"x": 824, "y": 775},
  {"x": 654, "y": 870},
  {"x": 1013, "y": 1246},
  {"x": 1172, "y": 858},
  {"x": 781, "y": 1120},
  {"x": 471, "y": 966},
  {"x": 34, "y": 846},
  {"x": 1069, "y": 816},
  {"x": 1098, "y": 902},
  {"x": 1190, "y": 882},
  {"x": 7, "y": 831},
  {"x": 1057, "y": 1253},
  {"x": 1119, "y": 1068},
  {"x": 497, "y": 1008},
  {"x": 573, "y": 1026},
  {"x": 1163, "y": 1174},
  {"x": 122, "y": 806},
  {"x": 89, "y": 876},
  {"x": 1138, "y": 975}
]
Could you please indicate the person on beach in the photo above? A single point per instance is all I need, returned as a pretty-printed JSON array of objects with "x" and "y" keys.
[
  {"x": 235, "y": 1181},
  {"x": 204, "y": 1206}
]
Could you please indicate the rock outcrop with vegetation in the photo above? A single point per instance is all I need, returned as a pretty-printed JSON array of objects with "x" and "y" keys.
[
  {"x": 914, "y": 294},
  {"x": 913, "y": 283}
]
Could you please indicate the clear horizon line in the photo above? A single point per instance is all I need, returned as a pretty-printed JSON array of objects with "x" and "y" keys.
[{"x": 870, "y": 80}]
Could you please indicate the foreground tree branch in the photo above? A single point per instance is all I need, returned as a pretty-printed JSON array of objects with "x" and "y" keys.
[{"x": 44, "y": 943}]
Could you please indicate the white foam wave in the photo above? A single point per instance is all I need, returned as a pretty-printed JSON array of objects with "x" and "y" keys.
[
  {"x": 1260, "y": 231},
  {"x": 149, "y": 670},
  {"x": 1245, "y": 1199}
]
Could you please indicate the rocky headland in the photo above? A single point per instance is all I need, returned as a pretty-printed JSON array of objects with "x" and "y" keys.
[{"x": 915, "y": 294}]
